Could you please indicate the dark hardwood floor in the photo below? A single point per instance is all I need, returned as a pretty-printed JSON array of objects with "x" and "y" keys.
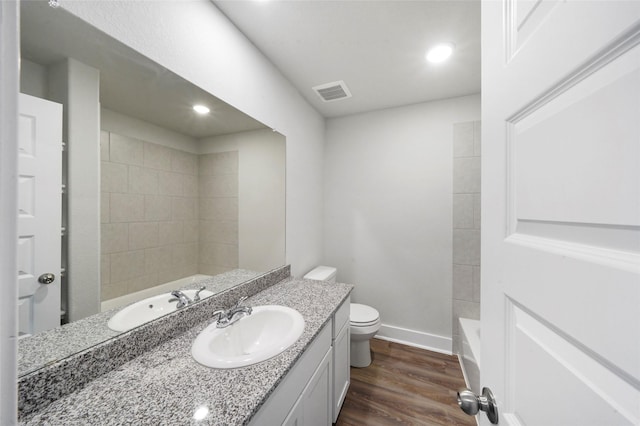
[{"x": 404, "y": 386}]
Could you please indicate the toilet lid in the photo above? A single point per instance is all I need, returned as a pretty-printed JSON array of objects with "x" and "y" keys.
[{"x": 362, "y": 314}]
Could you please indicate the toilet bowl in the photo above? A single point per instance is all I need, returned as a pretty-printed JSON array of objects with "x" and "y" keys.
[
  {"x": 365, "y": 323},
  {"x": 364, "y": 320}
]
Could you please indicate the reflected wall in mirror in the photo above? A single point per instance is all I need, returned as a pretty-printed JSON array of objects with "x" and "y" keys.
[{"x": 154, "y": 195}]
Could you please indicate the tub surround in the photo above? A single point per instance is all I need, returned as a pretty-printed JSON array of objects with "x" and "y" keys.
[
  {"x": 37, "y": 389},
  {"x": 164, "y": 385}
]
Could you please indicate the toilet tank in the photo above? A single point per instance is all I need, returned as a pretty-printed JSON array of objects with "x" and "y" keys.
[{"x": 322, "y": 273}]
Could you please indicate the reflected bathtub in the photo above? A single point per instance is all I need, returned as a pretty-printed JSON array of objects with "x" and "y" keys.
[
  {"x": 127, "y": 299},
  {"x": 470, "y": 353}
]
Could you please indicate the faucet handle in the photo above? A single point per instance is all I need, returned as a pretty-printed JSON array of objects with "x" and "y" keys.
[
  {"x": 196, "y": 298},
  {"x": 242, "y": 299}
]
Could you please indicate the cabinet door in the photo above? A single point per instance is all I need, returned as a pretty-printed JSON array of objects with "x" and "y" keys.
[
  {"x": 341, "y": 368},
  {"x": 295, "y": 416},
  {"x": 317, "y": 395}
]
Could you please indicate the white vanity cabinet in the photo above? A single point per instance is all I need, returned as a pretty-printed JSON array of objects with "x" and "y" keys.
[
  {"x": 341, "y": 343},
  {"x": 312, "y": 392}
]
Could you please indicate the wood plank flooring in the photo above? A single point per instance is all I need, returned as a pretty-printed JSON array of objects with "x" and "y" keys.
[{"x": 404, "y": 386}]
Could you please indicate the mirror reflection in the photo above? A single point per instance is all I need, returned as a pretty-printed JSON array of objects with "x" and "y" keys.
[{"x": 154, "y": 196}]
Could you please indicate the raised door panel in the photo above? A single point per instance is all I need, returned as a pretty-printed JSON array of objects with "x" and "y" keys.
[
  {"x": 341, "y": 369},
  {"x": 317, "y": 402},
  {"x": 561, "y": 211}
]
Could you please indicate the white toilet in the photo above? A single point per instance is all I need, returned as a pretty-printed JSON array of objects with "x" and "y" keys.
[{"x": 365, "y": 320}]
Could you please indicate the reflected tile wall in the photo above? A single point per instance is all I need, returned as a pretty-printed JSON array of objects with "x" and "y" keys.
[
  {"x": 218, "y": 216},
  {"x": 466, "y": 225},
  {"x": 149, "y": 214}
]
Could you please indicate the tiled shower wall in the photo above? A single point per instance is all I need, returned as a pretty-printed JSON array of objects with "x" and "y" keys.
[
  {"x": 149, "y": 214},
  {"x": 466, "y": 225},
  {"x": 218, "y": 224}
]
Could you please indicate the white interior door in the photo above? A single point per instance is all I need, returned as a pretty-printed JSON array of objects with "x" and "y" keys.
[
  {"x": 39, "y": 213},
  {"x": 561, "y": 211}
]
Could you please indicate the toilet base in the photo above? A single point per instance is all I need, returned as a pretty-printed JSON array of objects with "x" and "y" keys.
[{"x": 360, "y": 353}]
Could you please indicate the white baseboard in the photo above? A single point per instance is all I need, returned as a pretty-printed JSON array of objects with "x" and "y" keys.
[{"x": 418, "y": 339}]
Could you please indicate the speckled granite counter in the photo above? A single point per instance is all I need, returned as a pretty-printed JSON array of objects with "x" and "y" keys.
[
  {"x": 35, "y": 352},
  {"x": 165, "y": 386}
]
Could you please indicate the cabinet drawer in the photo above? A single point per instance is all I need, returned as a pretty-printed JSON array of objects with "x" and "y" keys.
[{"x": 341, "y": 317}]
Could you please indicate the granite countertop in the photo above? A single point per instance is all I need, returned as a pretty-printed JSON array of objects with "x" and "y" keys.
[
  {"x": 167, "y": 386},
  {"x": 37, "y": 351}
]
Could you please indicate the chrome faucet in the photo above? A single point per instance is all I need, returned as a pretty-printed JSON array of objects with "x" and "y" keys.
[
  {"x": 232, "y": 315},
  {"x": 196, "y": 298},
  {"x": 183, "y": 300}
]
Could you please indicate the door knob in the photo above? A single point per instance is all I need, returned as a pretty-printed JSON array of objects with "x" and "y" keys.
[
  {"x": 471, "y": 403},
  {"x": 47, "y": 278}
]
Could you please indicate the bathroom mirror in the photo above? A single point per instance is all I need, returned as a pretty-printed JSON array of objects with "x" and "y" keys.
[{"x": 182, "y": 197}]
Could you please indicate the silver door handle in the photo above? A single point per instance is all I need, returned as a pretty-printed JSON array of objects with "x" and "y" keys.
[
  {"x": 47, "y": 278},
  {"x": 471, "y": 403}
]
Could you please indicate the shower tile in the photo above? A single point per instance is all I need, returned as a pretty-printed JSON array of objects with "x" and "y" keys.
[
  {"x": 112, "y": 290},
  {"x": 114, "y": 237},
  {"x": 105, "y": 269},
  {"x": 466, "y": 175},
  {"x": 477, "y": 132},
  {"x": 462, "y": 282},
  {"x": 219, "y": 232},
  {"x": 170, "y": 233},
  {"x": 476, "y": 284},
  {"x": 476, "y": 210},
  {"x": 179, "y": 255},
  {"x": 466, "y": 247},
  {"x": 190, "y": 185},
  {"x": 221, "y": 163},
  {"x": 157, "y": 207},
  {"x": 105, "y": 198},
  {"x": 219, "y": 209},
  {"x": 104, "y": 145},
  {"x": 157, "y": 156},
  {"x": 113, "y": 177},
  {"x": 463, "y": 213},
  {"x": 127, "y": 265},
  {"x": 170, "y": 183},
  {"x": 191, "y": 230},
  {"x": 456, "y": 340},
  {"x": 126, "y": 150},
  {"x": 157, "y": 259},
  {"x": 126, "y": 208},
  {"x": 190, "y": 269},
  {"x": 463, "y": 139},
  {"x": 219, "y": 186},
  {"x": 225, "y": 255},
  {"x": 184, "y": 208},
  {"x": 207, "y": 269},
  {"x": 464, "y": 309},
  {"x": 143, "y": 180},
  {"x": 184, "y": 162},
  {"x": 142, "y": 283},
  {"x": 143, "y": 235}
]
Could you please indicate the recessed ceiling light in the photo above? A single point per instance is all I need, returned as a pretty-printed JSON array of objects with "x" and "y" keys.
[
  {"x": 439, "y": 53},
  {"x": 201, "y": 109}
]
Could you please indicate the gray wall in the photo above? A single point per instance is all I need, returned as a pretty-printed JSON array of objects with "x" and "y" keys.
[{"x": 388, "y": 217}]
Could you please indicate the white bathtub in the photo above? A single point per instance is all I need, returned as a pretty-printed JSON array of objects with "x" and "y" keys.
[
  {"x": 127, "y": 299},
  {"x": 470, "y": 353}
]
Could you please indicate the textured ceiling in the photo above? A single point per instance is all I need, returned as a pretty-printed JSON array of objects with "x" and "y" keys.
[{"x": 376, "y": 47}]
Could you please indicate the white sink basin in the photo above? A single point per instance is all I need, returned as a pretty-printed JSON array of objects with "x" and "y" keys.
[
  {"x": 268, "y": 331},
  {"x": 149, "y": 309}
]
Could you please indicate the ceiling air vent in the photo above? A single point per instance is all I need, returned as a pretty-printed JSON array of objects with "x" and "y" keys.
[{"x": 333, "y": 91}]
